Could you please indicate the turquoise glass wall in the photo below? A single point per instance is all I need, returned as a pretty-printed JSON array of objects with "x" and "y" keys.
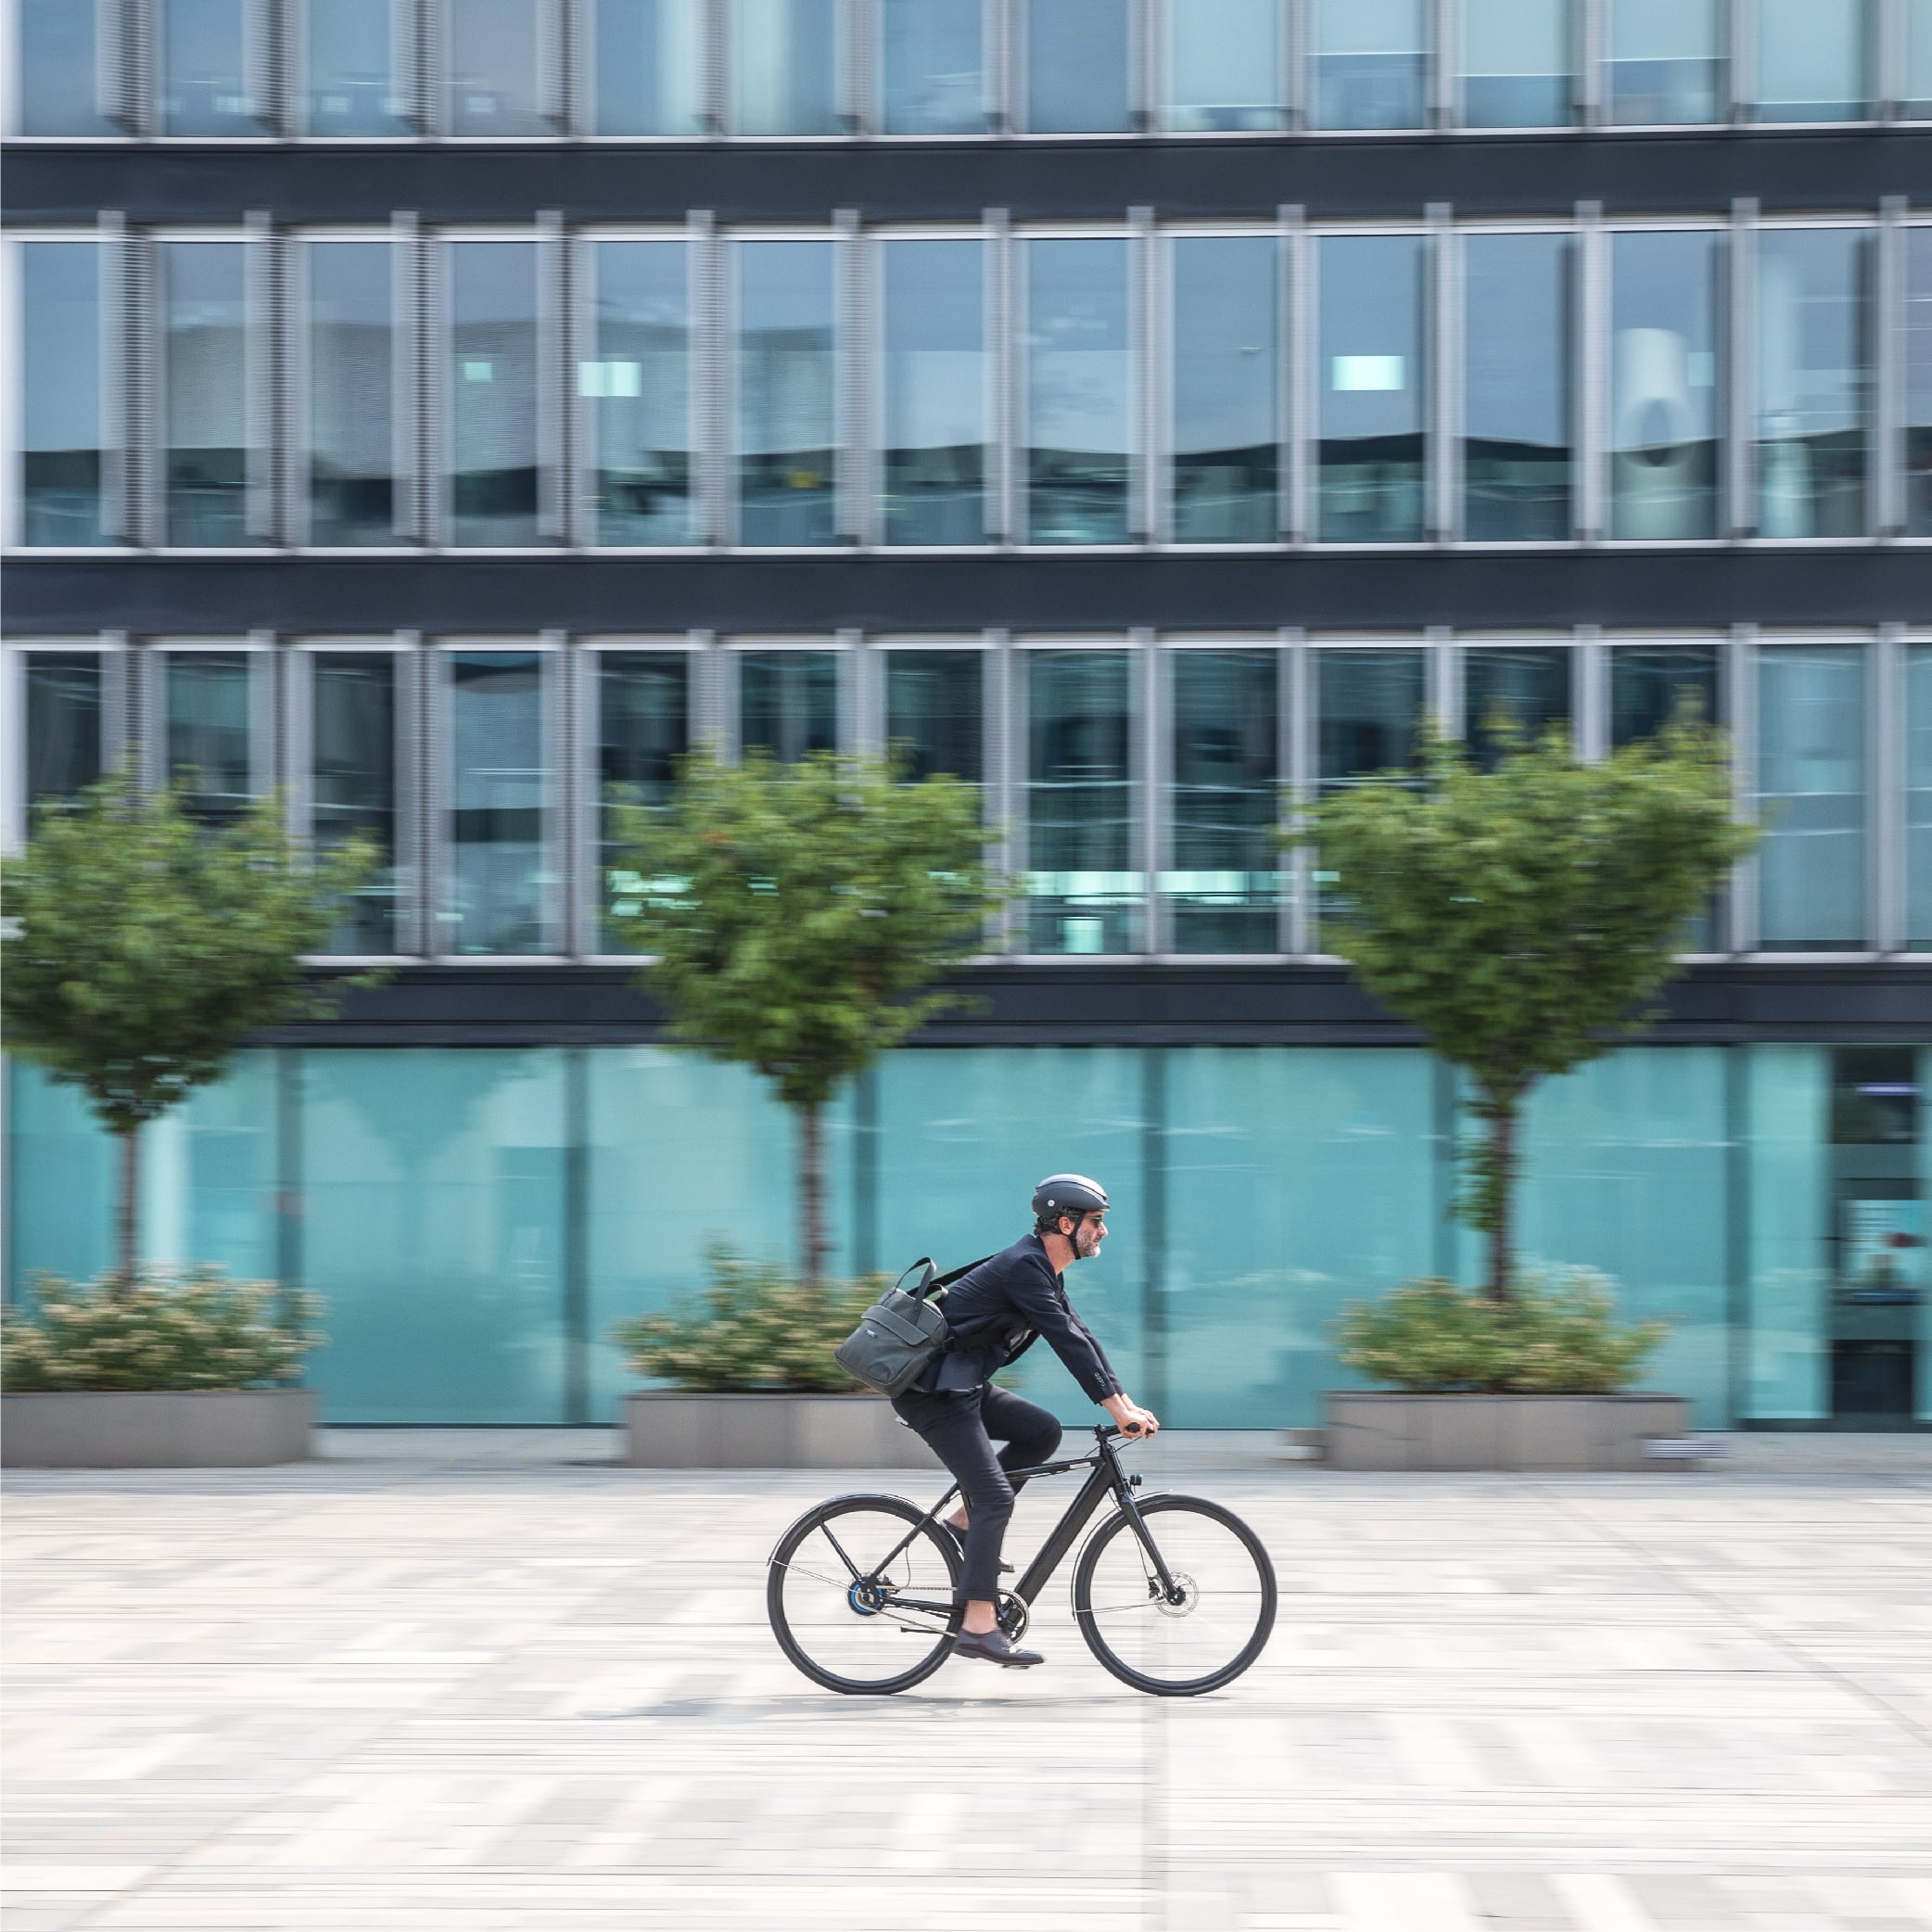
[{"x": 1787, "y": 1208}]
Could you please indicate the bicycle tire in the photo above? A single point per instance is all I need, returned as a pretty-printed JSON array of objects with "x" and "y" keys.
[
  {"x": 1087, "y": 1617},
  {"x": 781, "y": 1571}
]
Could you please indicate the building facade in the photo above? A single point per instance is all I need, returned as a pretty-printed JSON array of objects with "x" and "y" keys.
[{"x": 447, "y": 412}]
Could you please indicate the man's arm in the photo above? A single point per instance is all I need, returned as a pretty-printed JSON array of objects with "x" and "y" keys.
[{"x": 1036, "y": 1293}]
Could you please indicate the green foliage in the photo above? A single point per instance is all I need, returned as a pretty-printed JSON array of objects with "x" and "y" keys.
[
  {"x": 190, "y": 1330},
  {"x": 1555, "y": 1337},
  {"x": 754, "y": 1328}
]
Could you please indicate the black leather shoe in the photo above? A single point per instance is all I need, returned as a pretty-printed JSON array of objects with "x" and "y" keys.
[{"x": 993, "y": 1649}]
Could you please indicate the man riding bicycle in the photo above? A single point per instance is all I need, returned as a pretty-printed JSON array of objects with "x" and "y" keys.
[{"x": 993, "y": 1315}]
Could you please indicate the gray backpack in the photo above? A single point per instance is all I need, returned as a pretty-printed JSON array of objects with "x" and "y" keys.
[{"x": 900, "y": 1333}]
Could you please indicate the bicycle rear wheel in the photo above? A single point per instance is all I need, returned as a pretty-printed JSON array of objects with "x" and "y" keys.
[
  {"x": 1225, "y": 1605},
  {"x": 861, "y": 1596}
]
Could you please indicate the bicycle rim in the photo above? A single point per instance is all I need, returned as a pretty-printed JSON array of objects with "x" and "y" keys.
[
  {"x": 1228, "y": 1597},
  {"x": 834, "y": 1594}
]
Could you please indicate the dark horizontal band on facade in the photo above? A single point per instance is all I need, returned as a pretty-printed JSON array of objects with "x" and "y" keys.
[
  {"x": 882, "y": 593},
  {"x": 1681, "y": 172}
]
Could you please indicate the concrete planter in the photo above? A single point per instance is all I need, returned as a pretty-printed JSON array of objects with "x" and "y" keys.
[
  {"x": 186, "y": 1428},
  {"x": 669, "y": 1429},
  {"x": 1396, "y": 1430}
]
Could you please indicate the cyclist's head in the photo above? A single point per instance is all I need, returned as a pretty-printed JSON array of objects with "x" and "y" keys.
[{"x": 1066, "y": 1196}]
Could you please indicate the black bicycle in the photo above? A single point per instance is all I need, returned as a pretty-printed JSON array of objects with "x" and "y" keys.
[{"x": 1174, "y": 1594}]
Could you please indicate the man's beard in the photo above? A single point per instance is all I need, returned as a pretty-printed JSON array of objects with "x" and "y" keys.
[{"x": 1086, "y": 1244}]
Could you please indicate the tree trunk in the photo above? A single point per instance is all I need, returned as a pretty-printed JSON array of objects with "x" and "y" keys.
[
  {"x": 1502, "y": 1202},
  {"x": 811, "y": 1192},
  {"x": 127, "y": 1210}
]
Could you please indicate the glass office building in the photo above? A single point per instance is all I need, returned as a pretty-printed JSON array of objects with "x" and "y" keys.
[{"x": 1144, "y": 410}]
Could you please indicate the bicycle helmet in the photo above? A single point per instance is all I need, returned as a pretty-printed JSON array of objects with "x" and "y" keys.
[{"x": 1065, "y": 1194}]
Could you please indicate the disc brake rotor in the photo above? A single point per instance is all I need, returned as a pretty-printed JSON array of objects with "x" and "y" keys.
[{"x": 1190, "y": 1593}]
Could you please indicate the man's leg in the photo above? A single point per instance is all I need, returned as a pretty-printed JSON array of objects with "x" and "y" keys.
[
  {"x": 1030, "y": 1433},
  {"x": 952, "y": 1427}
]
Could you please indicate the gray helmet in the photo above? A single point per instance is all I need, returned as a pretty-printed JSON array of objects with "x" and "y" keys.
[{"x": 1066, "y": 1194}]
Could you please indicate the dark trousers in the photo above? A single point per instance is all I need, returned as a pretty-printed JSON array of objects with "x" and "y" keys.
[{"x": 960, "y": 1428}]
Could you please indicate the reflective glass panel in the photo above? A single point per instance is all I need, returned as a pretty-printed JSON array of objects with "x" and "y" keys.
[
  {"x": 1516, "y": 396},
  {"x": 1811, "y": 59},
  {"x": 784, "y": 67},
  {"x": 1222, "y": 63},
  {"x": 62, "y": 476},
  {"x": 638, "y": 391},
  {"x": 1516, "y": 63},
  {"x": 58, "y": 69},
  {"x": 1079, "y": 392},
  {"x": 643, "y": 727},
  {"x": 204, "y": 48},
  {"x": 1085, "y": 890},
  {"x": 1918, "y": 381},
  {"x": 1224, "y": 390},
  {"x": 1224, "y": 892},
  {"x": 935, "y": 712},
  {"x": 1812, "y": 797},
  {"x": 1369, "y": 455},
  {"x": 495, "y": 65},
  {"x": 787, "y": 393},
  {"x": 1078, "y": 66},
  {"x": 788, "y": 703},
  {"x": 353, "y": 788},
  {"x": 1787, "y": 1202},
  {"x": 1665, "y": 64},
  {"x": 647, "y": 67},
  {"x": 493, "y": 391},
  {"x": 1369, "y": 63},
  {"x": 205, "y": 391},
  {"x": 1529, "y": 686},
  {"x": 351, "y": 393},
  {"x": 1665, "y": 344},
  {"x": 1917, "y": 101},
  {"x": 931, "y": 67},
  {"x": 64, "y": 693},
  {"x": 1651, "y": 685},
  {"x": 207, "y": 701},
  {"x": 497, "y": 896},
  {"x": 934, "y": 403},
  {"x": 351, "y": 86},
  {"x": 1368, "y": 717},
  {"x": 1814, "y": 382},
  {"x": 1918, "y": 798}
]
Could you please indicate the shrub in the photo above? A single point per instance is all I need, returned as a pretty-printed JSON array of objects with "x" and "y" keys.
[
  {"x": 194, "y": 1330},
  {"x": 1554, "y": 1336},
  {"x": 755, "y": 1328}
]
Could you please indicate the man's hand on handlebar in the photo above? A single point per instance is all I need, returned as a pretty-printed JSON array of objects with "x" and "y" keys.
[{"x": 1132, "y": 1419}]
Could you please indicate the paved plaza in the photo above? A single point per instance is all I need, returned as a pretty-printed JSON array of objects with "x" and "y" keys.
[{"x": 487, "y": 1681}]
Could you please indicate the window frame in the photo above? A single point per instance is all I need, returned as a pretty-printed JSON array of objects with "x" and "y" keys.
[{"x": 116, "y": 738}]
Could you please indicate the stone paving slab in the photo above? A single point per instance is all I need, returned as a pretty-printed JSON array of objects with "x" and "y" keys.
[{"x": 445, "y": 1681}]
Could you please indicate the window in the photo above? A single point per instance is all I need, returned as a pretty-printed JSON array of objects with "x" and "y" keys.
[
  {"x": 1224, "y": 387},
  {"x": 1664, "y": 369},
  {"x": 208, "y": 707},
  {"x": 637, "y": 390},
  {"x": 352, "y": 784},
  {"x": 1654, "y": 685},
  {"x": 496, "y": 58},
  {"x": 351, "y": 393},
  {"x": 1918, "y": 798},
  {"x": 1812, "y": 797},
  {"x": 788, "y": 703},
  {"x": 643, "y": 727},
  {"x": 1078, "y": 66},
  {"x": 1523, "y": 686},
  {"x": 1369, "y": 455},
  {"x": 1369, "y": 708},
  {"x": 1223, "y": 64},
  {"x": 1666, "y": 62},
  {"x": 1368, "y": 66},
  {"x": 1814, "y": 382},
  {"x": 935, "y": 406},
  {"x": 787, "y": 394},
  {"x": 784, "y": 63},
  {"x": 935, "y": 712},
  {"x": 1810, "y": 60},
  {"x": 492, "y": 391},
  {"x": 205, "y": 352},
  {"x": 931, "y": 67},
  {"x": 354, "y": 78},
  {"x": 62, "y": 417},
  {"x": 1222, "y": 894},
  {"x": 1917, "y": 102},
  {"x": 66, "y": 710},
  {"x": 1516, "y": 63},
  {"x": 205, "y": 48},
  {"x": 1517, "y": 403},
  {"x": 1918, "y": 382},
  {"x": 1084, "y": 889},
  {"x": 1079, "y": 392},
  {"x": 647, "y": 67},
  {"x": 498, "y": 886},
  {"x": 59, "y": 62}
]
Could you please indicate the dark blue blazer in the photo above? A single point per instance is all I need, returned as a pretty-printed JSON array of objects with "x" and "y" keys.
[{"x": 996, "y": 1313}]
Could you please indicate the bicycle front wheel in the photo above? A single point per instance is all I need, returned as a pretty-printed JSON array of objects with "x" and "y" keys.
[
  {"x": 860, "y": 1595},
  {"x": 1210, "y": 1630}
]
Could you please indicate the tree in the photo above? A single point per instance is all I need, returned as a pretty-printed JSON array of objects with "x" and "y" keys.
[
  {"x": 1524, "y": 916},
  {"x": 797, "y": 913},
  {"x": 142, "y": 948}
]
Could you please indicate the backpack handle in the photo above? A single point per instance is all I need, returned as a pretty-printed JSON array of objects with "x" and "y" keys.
[{"x": 927, "y": 1281}]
